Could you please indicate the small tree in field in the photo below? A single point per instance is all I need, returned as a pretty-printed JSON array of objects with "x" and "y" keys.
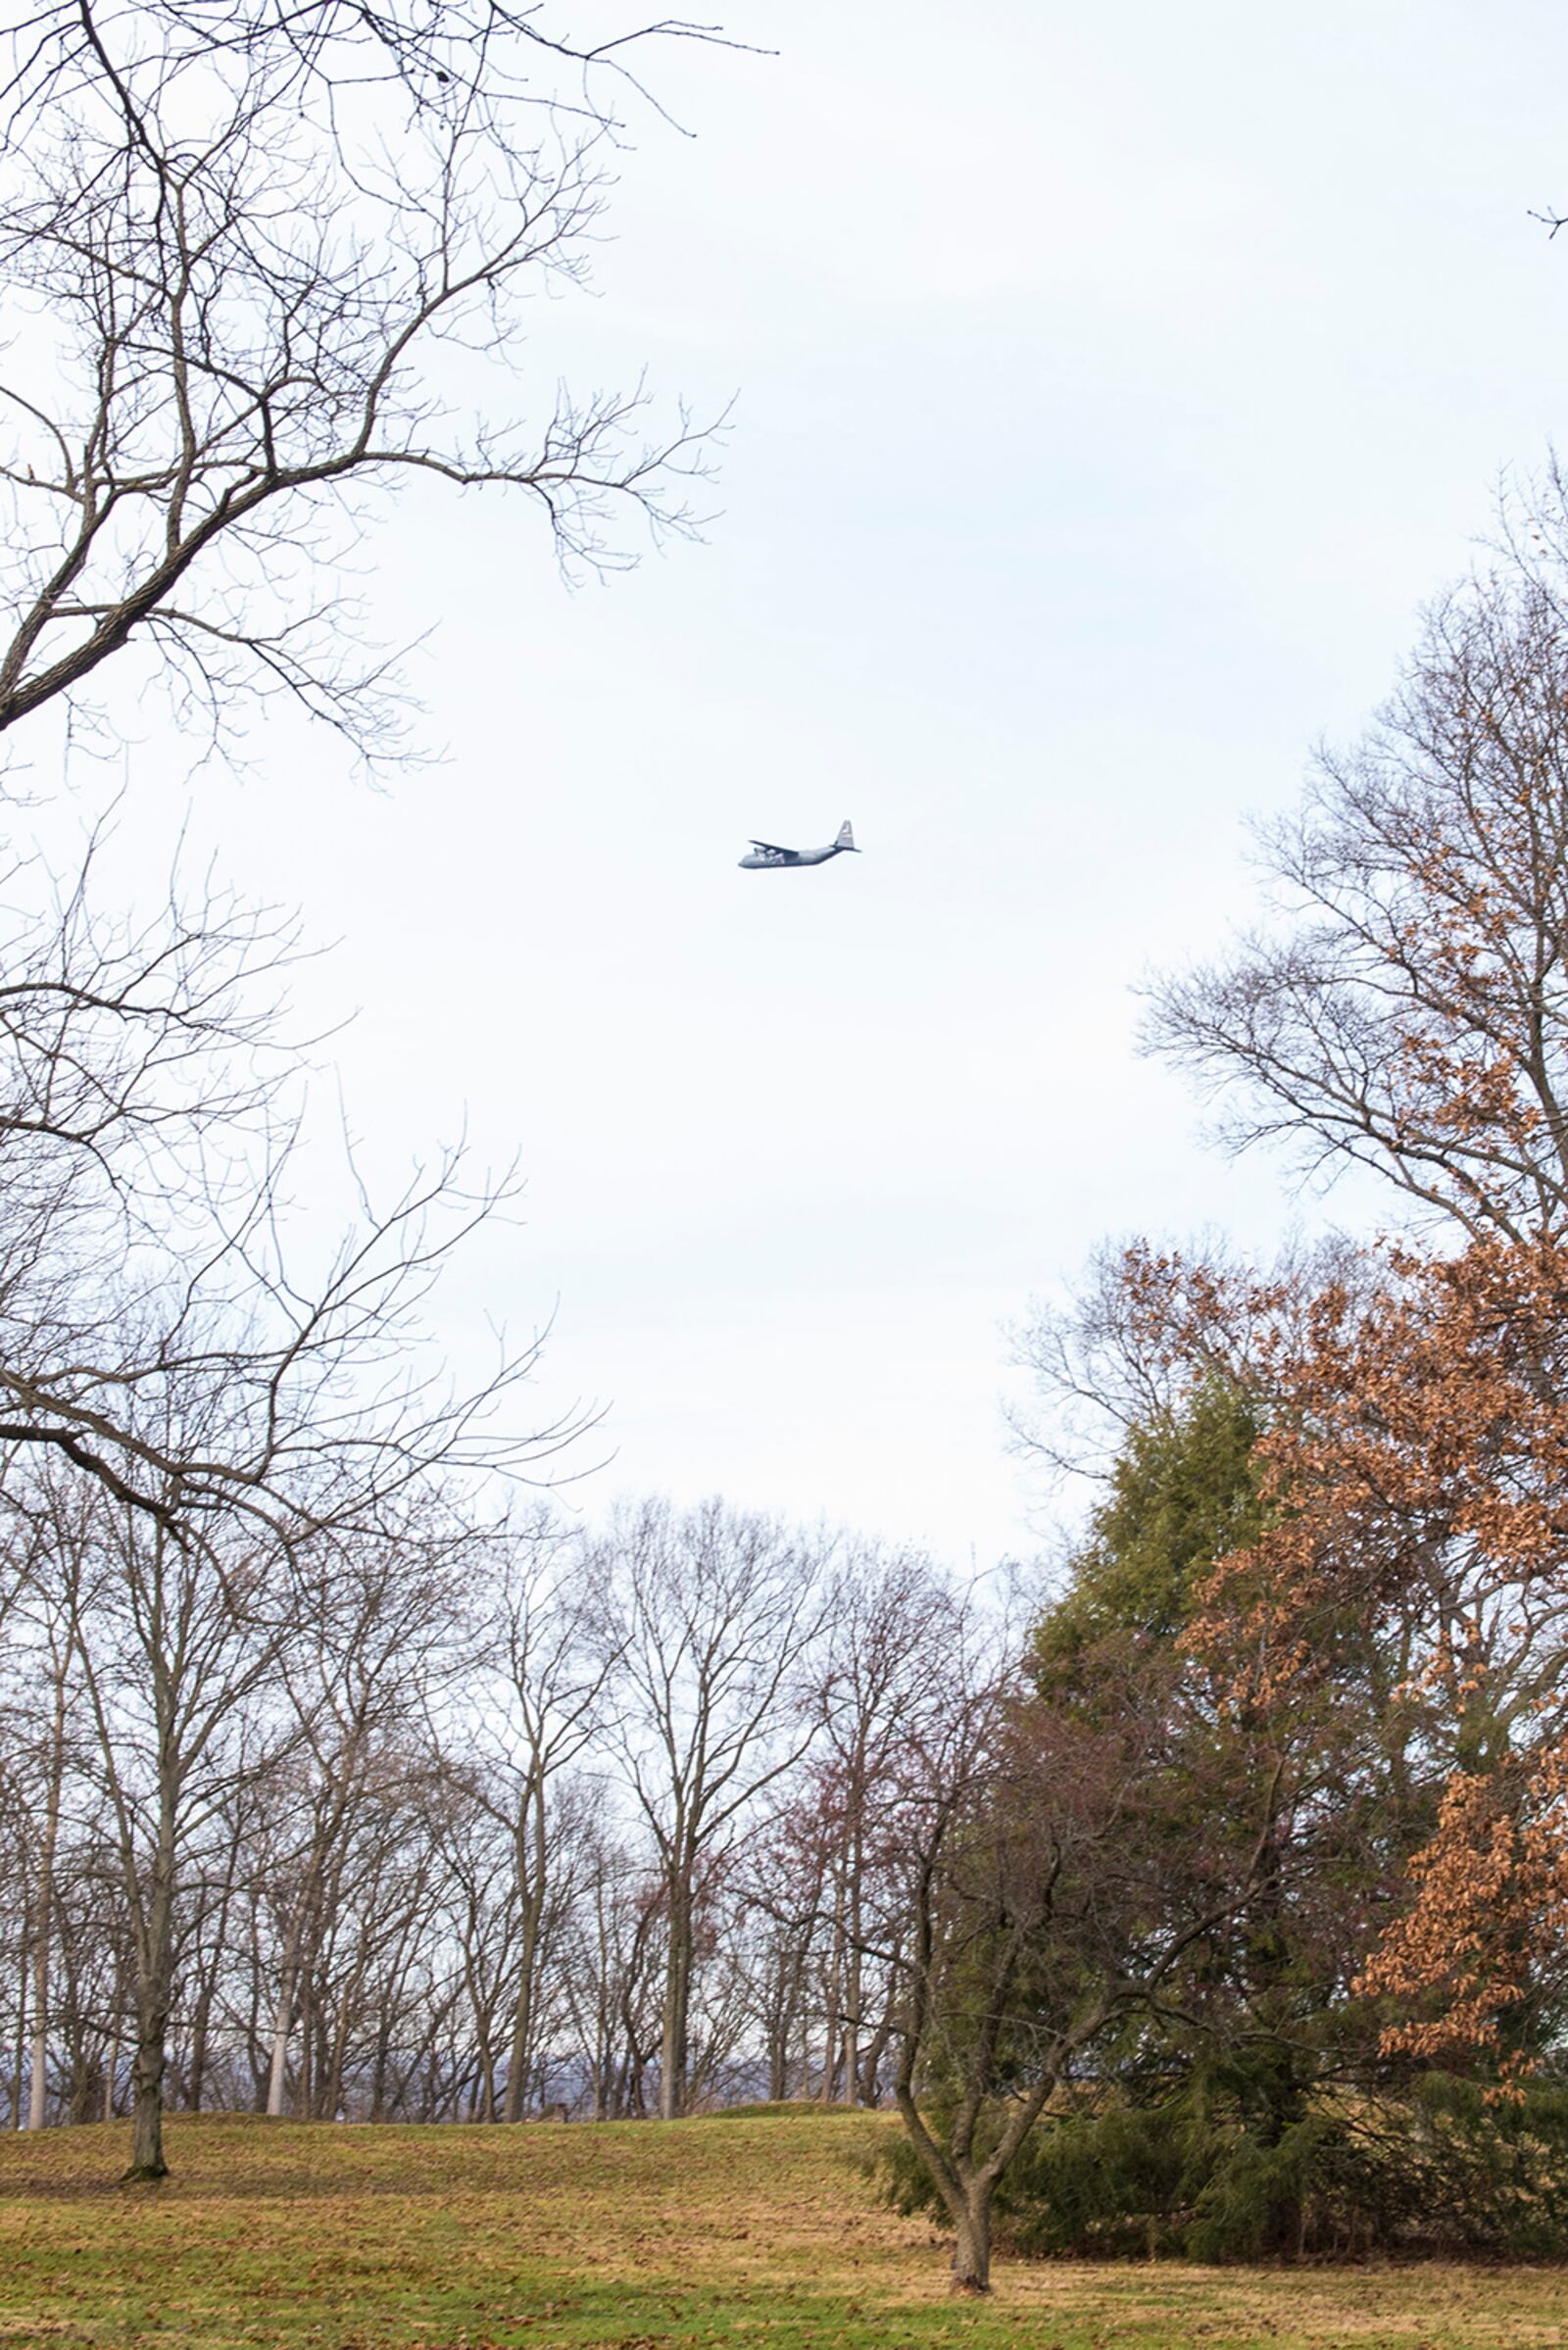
[{"x": 1059, "y": 1864}]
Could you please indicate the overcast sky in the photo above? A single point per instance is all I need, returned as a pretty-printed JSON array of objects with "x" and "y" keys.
[{"x": 1113, "y": 385}]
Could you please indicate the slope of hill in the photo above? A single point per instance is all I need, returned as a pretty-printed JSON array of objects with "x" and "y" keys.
[{"x": 755, "y": 2230}]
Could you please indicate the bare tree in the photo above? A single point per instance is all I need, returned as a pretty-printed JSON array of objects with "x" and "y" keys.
[
  {"x": 543, "y": 1678},
  {"x": 374, "y": 1629},
  {"x": 56, "y": 1545},
  {"x": 610, "y": 1978},
  {"x": 1411, "y": 1012},
  {"x": 891, "y": 1616},
  {"x": 481, "y": 52},
  {"x": 712, "y": 1614},
  {"x": 136, "y": 1084},
  {"x": 144, "y": 1257},
  {"x": 178, "y": 1645},
  {"x": 256, "y": 235}
]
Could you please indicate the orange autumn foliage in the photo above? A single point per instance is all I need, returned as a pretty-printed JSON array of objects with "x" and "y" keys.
[
  {"x": 1492, "y": 1907},
  {"x": 1415, "y": 1465}
]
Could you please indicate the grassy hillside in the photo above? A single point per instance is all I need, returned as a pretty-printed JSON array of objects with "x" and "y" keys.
[{"x": 753, "y": 2231}]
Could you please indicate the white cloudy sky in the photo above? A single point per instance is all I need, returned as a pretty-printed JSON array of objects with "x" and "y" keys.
[{"x": 1113, "y": 384}]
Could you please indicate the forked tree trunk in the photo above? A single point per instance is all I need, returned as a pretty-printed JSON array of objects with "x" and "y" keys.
[
  {"x": 967, "y": 2186},
  {"x": 967, "y": 2189}
]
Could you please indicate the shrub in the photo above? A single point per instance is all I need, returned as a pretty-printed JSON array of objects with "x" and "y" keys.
[{"x": 1435, "y": 2170}]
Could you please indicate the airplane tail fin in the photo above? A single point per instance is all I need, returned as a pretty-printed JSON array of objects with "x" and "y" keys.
[{"x": 846, "y": 839}]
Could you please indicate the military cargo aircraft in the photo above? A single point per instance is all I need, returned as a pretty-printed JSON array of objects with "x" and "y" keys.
[{"x": 767, "y": 855}]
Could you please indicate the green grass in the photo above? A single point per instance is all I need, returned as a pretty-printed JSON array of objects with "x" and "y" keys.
[{"x": 754, "y": 2234}]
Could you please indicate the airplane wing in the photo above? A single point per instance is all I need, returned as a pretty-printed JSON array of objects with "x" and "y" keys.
[{"x": 773, "y": 848}]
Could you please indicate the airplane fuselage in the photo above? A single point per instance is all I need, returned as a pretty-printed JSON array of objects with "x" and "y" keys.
[
  {"x": 770, "y": 856},
  {"x": 789, "y": 857}
]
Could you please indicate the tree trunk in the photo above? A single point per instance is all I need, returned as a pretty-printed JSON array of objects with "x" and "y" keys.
[
  {"x": 46, "y": 1901},
  {"x": 603, "y": 2056},
  {"x": 38, "y": 2093},
  {"x": 198, "y": 2049},
  {"x": 522, "y": 2017},
  {"x": 305, "y": 2092},
  {"x": 147, "y": 2081},
  {"x": 972, "y": 2248},
  {"x": 154, "y": 1968},
  {"x": 19, "y": 2066},
  {"x": 280, "y": 2025},
  {"x": 201, "y": 2020},
  {"x": 781, "y": 2021},
  {"x": 677, "y": 2006},
  {"x": 331, "y": 2098},
  {"x": 854, "y": 1983},
  {"x": 881, "y": 2040},
  {"x": 871, "y": 2084},
  {"x": 111, "y": 2052},
  {"x": 833, "y": 2004},
  {"x": 86, "y": 2089},
  {"x": 384, "y": 2058}
]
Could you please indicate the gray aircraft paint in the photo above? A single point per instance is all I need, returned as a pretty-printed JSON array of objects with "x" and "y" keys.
[{"x": 770, "y": 857}]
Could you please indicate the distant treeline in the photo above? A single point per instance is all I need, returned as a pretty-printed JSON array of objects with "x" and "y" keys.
[{"x": 466, "y": 1829}]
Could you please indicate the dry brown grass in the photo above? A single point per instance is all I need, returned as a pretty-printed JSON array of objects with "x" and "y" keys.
[{"x": 757, "y": 2231}]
